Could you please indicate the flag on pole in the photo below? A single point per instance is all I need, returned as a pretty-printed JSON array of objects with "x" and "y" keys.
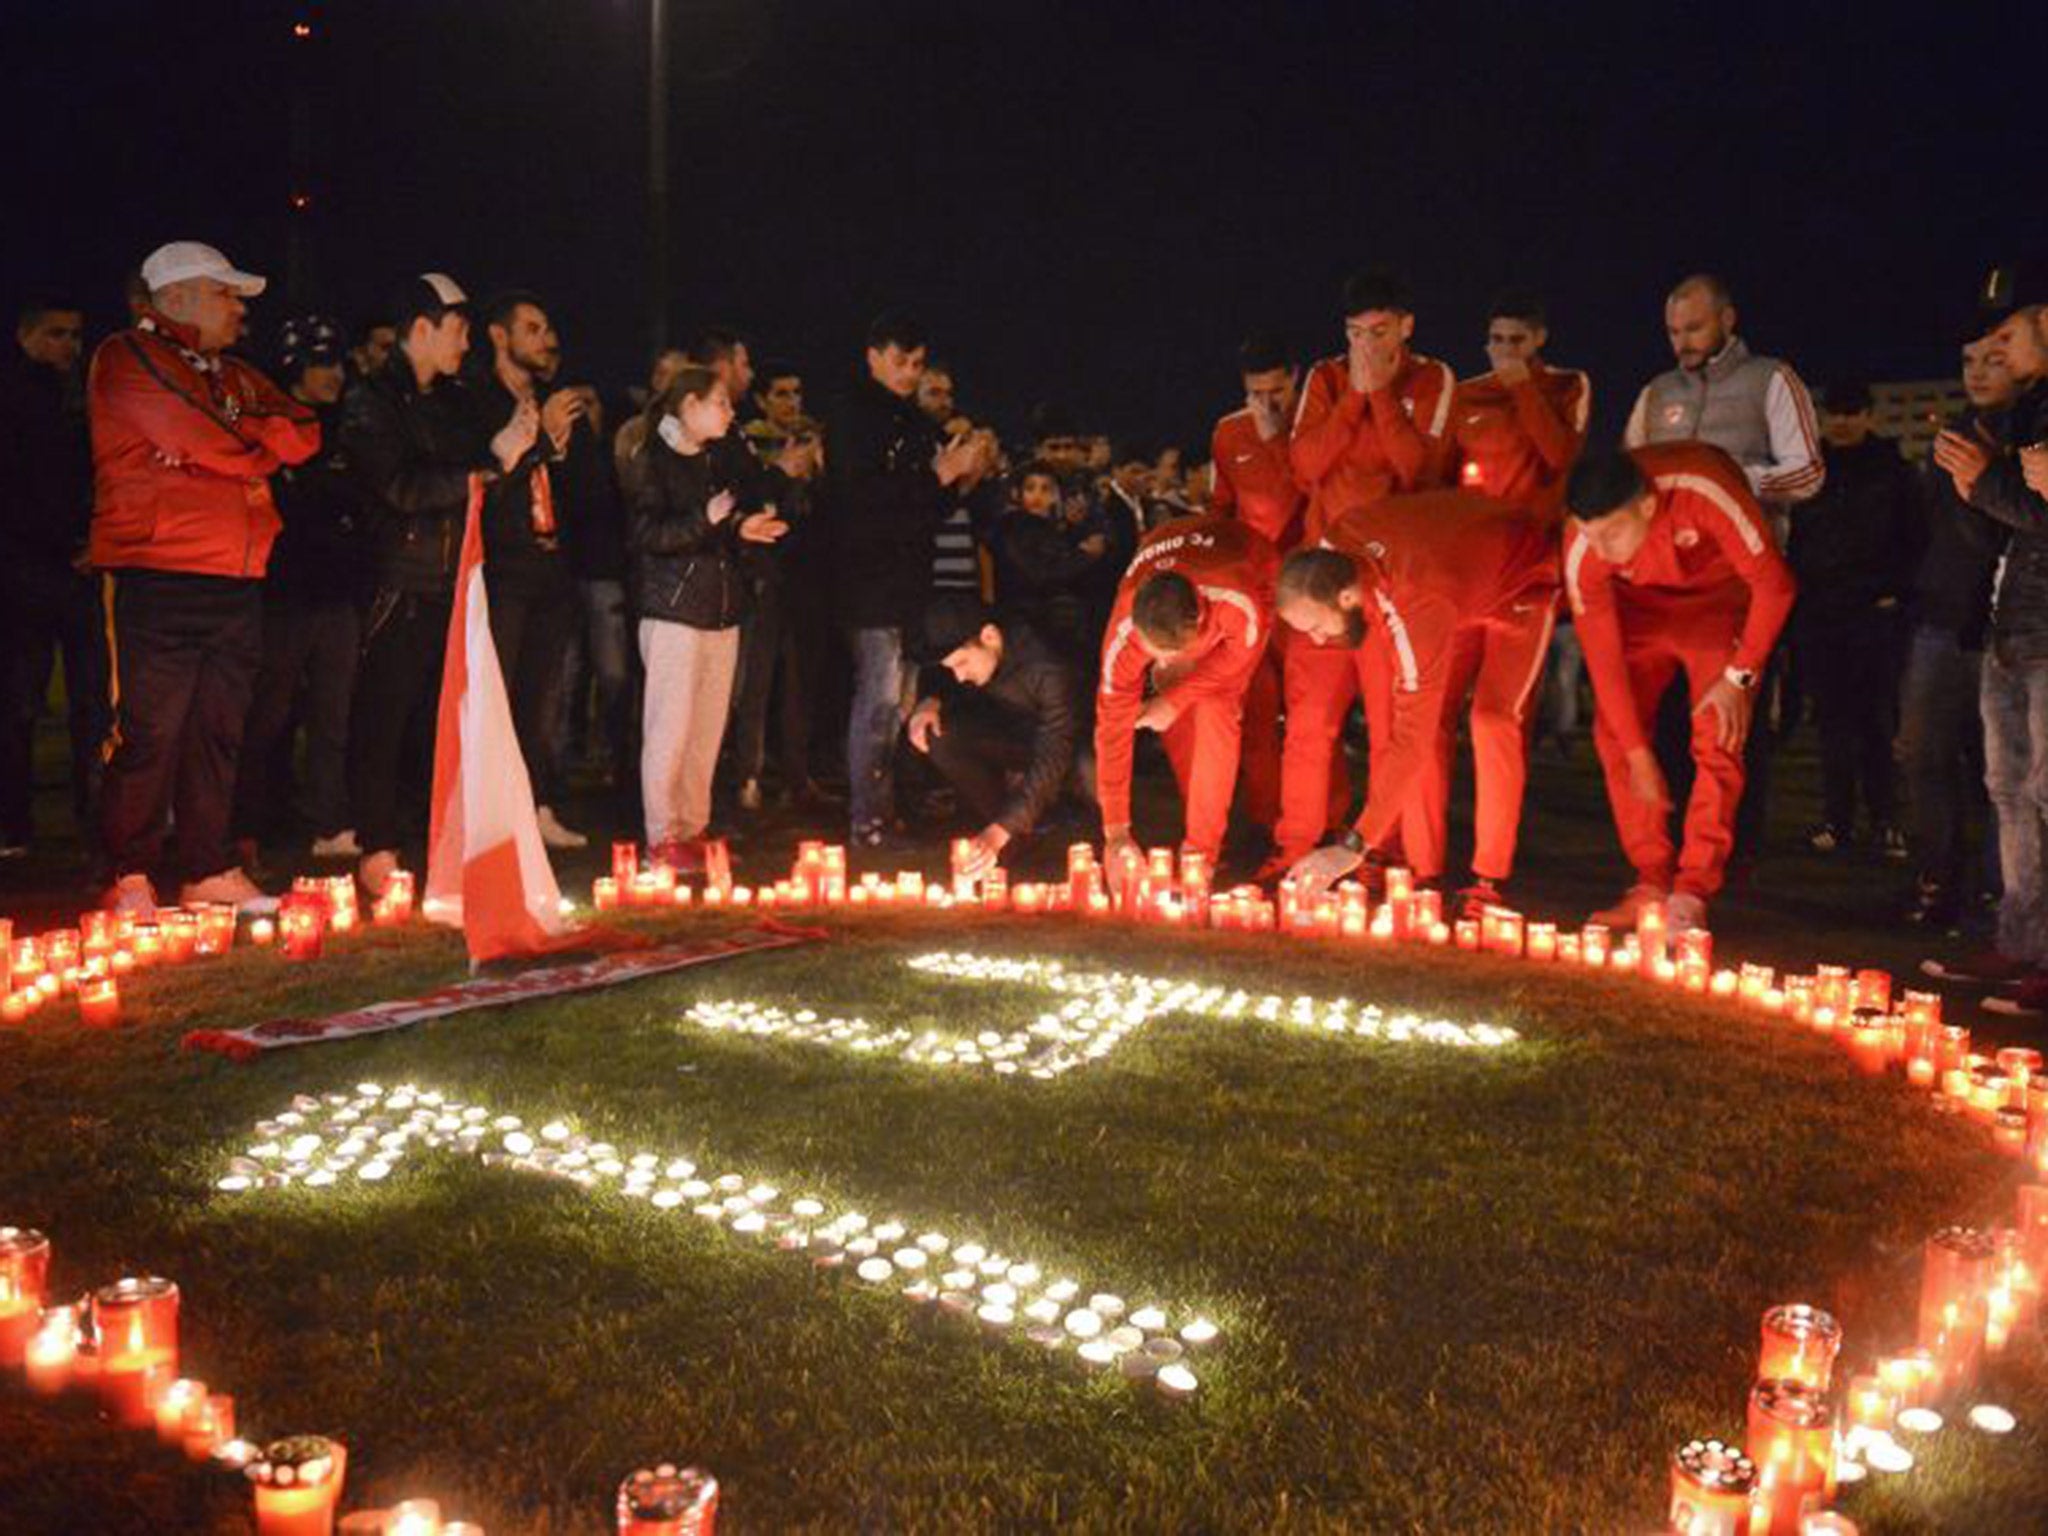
[{"x": 487, "y": 870}]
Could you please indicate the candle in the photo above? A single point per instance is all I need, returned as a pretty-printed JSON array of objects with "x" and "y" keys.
[
  {"x": 52, "y": 1352},
  {"x": 1906, "y": 1376},
  {"x": 1711, "y": 1486},
  {"x": 1955, "y": 1285},
  {"x": 1799, "y": 1344},
  {"x": 301, "y": 925},
  {"x": 1467, "y": 929},
  {"x": 1791, "y": 1441},
  {"x": 24, "y": 1281},
  {"x": 261, "y": 931},
  {"x": 215, "y": 934},
  {"x": 209, "y": 1424},
  {"x": 604, "y": 893},
  {"x": 1869, "y": 1045},
  {"x": 137, "y": 1323},
  {"x": 625, "y": 864},
  {"x": 1871, "y": 1405},
  {"x": 2008, "y": 1130},
  {"x": 171, "y": 1406},
  {"x": 298, "y": 1481},
  {"x": 1542, "y": 941},
  {"x": 668, "y": 1501},
  {"x": 1920, "y": 1072},
  {"x": 99, "y": 1004},
  {"x": 394, "y": 906}
]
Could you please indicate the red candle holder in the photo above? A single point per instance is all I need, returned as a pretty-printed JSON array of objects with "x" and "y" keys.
[
  {"x": 1799, "y": 1344},
  {"x": 136, "y": 1321},
  {"x": 302, "y": 926},
  {"x": 1955, "y": 1286},
  {"x": 668, "y": 1501},
  {"x": 1711, "y": 1487},
  {"x": 180, "y": 933},
  {"x": 99, "y": 1004},
  {"x": 50, "y": 1360},
  {"x": 1792, "y": 1443},
  {"x": 298, "y": 1483},
  {"x": 24, "y": 1283},
  {"x": 394, "y": 907},
  {"x": 215, "y": 931},
  {"x": 625, "y": 863},
  {"x": 209, "y": 1423}
]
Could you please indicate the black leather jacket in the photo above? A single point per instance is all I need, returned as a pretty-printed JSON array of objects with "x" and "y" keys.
[
  {"x": 412, "y": 453},
  {"x": 686, "y": 568},
  {"x": 2019, "y": 604}
]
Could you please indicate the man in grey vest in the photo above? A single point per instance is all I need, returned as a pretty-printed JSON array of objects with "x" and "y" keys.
[{"x": 1755, "y": 410}]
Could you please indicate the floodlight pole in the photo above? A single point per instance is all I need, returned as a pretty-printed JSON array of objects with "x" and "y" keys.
[{"x": 657, "y": 174}]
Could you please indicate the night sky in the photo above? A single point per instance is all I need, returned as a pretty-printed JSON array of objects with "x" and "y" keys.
[{"x": 1087, "y": 203}]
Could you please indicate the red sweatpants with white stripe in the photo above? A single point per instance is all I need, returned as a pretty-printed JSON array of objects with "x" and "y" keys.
[
  {"x": 1498, "y": 663},
  {"x": 1315, "y": 788},
  {"x": 1662, "y": 636},
  {"x": 1203, "y": 744}
]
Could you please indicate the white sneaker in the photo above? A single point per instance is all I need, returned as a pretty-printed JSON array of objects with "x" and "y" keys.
[
  {"x": 132, "y": 896},
  {"x": 230, "y": 888},
  {"x": 1684, "y": 913},
  {"x": 555, "y": 835},
  {"x": 342, "y": 845}
]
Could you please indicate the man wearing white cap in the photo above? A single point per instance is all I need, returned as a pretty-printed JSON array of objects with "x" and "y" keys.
[{"x": 183, "y": 440}]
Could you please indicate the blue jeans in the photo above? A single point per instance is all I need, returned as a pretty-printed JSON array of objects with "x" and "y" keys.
[
  {"x": 2015, "y": 701},
  {"x": 873, "y": 725},
  {"x": 1941, "y": 735}
]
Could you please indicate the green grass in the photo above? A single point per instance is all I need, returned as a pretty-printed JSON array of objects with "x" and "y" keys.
[{"x": 1481, "y": 1290}]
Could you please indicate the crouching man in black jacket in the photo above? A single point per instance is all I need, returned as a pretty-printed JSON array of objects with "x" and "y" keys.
[{"x": 1005, "y": 735}]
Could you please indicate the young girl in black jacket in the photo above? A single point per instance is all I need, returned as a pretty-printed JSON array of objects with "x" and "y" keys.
[{"x": 684, "y": 542}]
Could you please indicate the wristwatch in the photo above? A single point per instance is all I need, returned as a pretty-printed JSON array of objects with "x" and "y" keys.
[
  {"x": 1741, "y": 677},
  {"x": 1352, "y": 841}
]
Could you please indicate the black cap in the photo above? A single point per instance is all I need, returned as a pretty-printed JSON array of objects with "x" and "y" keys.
[
  {"x": 2010, "y": 287},
  {"x": 953, "y": 619},
  {"x": 308, "y": 341},
  {"x": 1846, "y": 397}
]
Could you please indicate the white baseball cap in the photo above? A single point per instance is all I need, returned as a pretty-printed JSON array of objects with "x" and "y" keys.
[{"x": 183, "y": 260}]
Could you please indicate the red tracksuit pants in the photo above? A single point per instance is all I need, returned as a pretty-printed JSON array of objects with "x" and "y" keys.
[
  {"x": 1315, "y": 788},
  {"x": 1258, "y": 786},
  {"x": 1498, "y": 664},
  {"x": 1204, "y": 744},
  {"x": 1662, "y": 636}
]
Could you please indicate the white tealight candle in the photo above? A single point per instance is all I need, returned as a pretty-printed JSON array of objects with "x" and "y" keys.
[
  {"x": 1176, "y": 1380},
  {"x": 1151, "y": 1319},
  {"x": 1137, "y": 1365},
  {"x": 1920, "y": 1421},
  {"x": 1992, "y": 1419},
  {"x": 1888, "y": 1456},
  {"x": 1096, "y": 1352},
  {"x": 875, "y": 1270},
  {"x": 1083, "y": 1323},
  {"x": 1197, "y": 1333},
  {"x": 1107, "y": 1305},
  {"x": 1047, "y": 1338},
  {"x": 910, "y": 1258}
]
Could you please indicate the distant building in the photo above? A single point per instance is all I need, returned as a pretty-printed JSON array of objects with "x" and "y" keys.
[{"x": 1913, "y": 411}]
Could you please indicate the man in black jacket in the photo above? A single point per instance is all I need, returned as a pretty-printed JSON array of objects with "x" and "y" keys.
[
  {"x": 1004, "y": 734},
  {"x": 2015, "y": 690},
  {"x": 1854, "y": 546},
  {"x": 1941, "y": 729},
  {"x": 532, "y": 592},
  {"x": 885, "y": 495},
  {"x": 311, "y": 617},
  {"x": 414, "y": 444},
  {"x": 52, "y": 606}
]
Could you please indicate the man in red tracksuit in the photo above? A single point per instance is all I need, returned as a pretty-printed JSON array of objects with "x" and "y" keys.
[
  {"x": 1192, "y": 617},
  {"x": 1372, "y": 424},
  {"x": 1252, "y": 480},
  {"x": 1670, "y": 567},
  {"x": 1516, "y": 430},
  {"x": 1465, "y": 592}
]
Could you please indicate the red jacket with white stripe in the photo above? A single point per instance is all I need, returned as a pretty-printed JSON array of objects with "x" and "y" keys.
[
  {"x": 1252, "y": 479},
  {"x": 1233, "y": 571},
  {"x": 1517, "y": 442},
  {"x": 1351, "y": 449},
  {"x": 1707, "y": 536},
  {"x": 183, "y": 445}
]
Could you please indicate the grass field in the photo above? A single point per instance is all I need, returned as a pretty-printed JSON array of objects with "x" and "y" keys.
[{"x": 1459, "y": 1290}]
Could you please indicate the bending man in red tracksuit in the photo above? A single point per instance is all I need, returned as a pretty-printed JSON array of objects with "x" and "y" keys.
[
  {"x": 1671, "y": 568},
  {"x": 1464, "y": 592},
  {"x": 1371, "y": 425},
  {"x": 1252, "y": 480},
  {"x": 1192, "y": 618}
]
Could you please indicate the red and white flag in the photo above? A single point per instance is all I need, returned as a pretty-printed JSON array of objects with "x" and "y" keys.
[{"x": 487, "y": 870}]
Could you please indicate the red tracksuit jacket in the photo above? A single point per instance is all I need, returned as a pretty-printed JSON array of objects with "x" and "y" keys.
[
  {"x": 1517, "y": 442},
  {"x": 1252, "y": 479},
  {"x": 1351, "y": 450},
  {"x": 1707, "y": 535},
  {"x": 1233, "y": 571}
]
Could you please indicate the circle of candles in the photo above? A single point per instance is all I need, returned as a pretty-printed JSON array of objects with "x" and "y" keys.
[
  {"x": 1711, "y": 1485},
  {"x": 1992, "y": 1419},
  {"x": 24, "y": 1281},
  {"x": 668, "y": 1501},
  {"x": 1799, "y": 1344}
]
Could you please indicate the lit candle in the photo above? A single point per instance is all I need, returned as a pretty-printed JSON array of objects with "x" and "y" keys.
[
  {"x": 137, "y": 1323},
  {"x": 1467, "y": 929},
  {"x": 1799, "y": 1344},
  {"x": 24, "y": 1281},
  {"x": 1920, "y": 1071},
  {"x": 1542, "y": 941},
  {"x": 1869, "y": 1045},
  {"x": 262, "y": 931},
  {"x": 302, "y": 921},
  {"x": 1906, "y": 1376},
  {"x": 394, "y": 906},
  {"x": 99, "y": 1004},
  {"x": 1711, "y": 1486},
  {"x": 209, "y": 1424},
  {"x": 1792, "y": 1442},
  {"x": 1871, "y": 1404},
  {"x": 625, "y": 864},
  {"x": 298, "y": 1482},
  {"x": 668, "y": 1501},
  {"x": 172, "y": 1404},
  {"x": 181, "y": 935},
  {"x": 1955, "y": 1284},
  {"x": 52, "y": 1352},
  {"x": 604, "y": 893}
]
